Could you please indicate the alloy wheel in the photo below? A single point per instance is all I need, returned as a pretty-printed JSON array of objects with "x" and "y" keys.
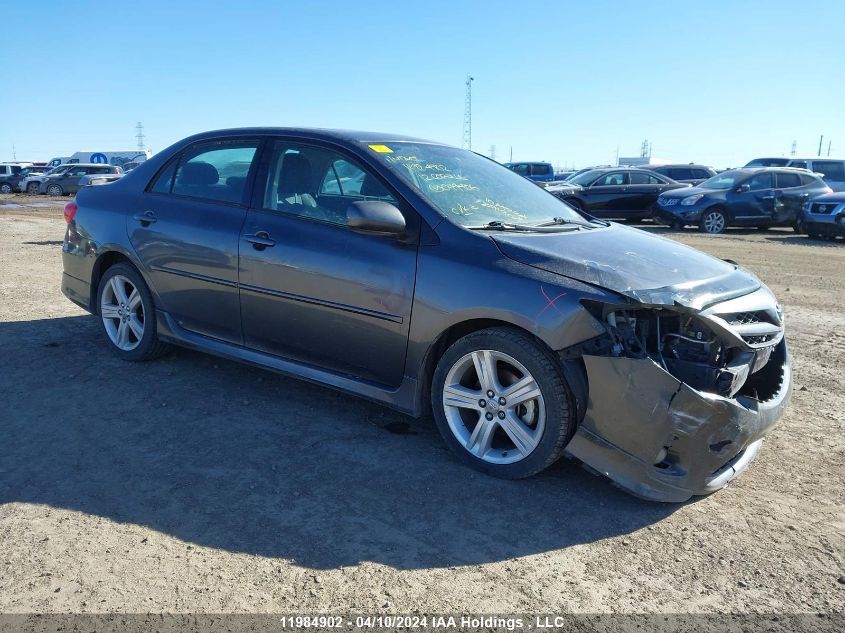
[
  {"x": 714, "y": 222},
  {"x": 494, "y": 406},
  {"x": 54, "y": 190},
  {"x": 122, "y": 312},
  {"x": 5, "y": 188}
]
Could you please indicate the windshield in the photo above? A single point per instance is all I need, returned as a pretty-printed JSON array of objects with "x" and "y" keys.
[
  {"x": 469, "y": 189},
  {"x": 584, "y": 178},
  {"x": 725, "y": 180}
]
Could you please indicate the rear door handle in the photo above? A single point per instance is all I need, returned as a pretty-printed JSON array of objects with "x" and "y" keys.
[
  {"x": 260, "y": 240},
  {"x": 147, "y": 217}
]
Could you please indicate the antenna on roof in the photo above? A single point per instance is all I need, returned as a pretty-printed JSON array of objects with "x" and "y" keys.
[{"x": 140, "y": 136}]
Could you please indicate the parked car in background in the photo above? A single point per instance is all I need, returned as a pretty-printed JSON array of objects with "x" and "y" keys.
[
  {"x": 539, "y": 172},
  {"x": 90, "y": 180},
  {"x": 832, "y": 170},
  {"x": 615, "y": 192},
  {"x": 524, "y": 310},
  {"x": 14, "y": 181},
  {"x": 824, "y": 216},
  {"x": 31, "y": 184},
  {"x": 755, "y": 196},
  {"x": 67, "y": 181},
  {"x": 118, "y": 158},
  {"x": 9, "y": 174},
  {"x": 691, "y": 174}
]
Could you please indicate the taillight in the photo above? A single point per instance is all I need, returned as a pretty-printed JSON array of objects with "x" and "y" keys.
[{"x": 70, "y": 211}]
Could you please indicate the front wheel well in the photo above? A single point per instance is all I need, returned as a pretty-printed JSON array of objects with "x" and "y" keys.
[
  {"x": 103, "y": 263},
  {"x": 445, "y": 340}
]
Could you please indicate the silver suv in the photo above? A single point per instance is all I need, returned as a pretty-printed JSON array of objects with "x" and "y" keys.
[{"x": 65, "y": 182}]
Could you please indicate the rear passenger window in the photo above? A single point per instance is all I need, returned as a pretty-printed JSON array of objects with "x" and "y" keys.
[
  {"x": 541, "y": 170},
  {"x": 164, "y": 180},
  {"x": 832, "y": 169},
  {"x": 680, "y": 173},
  {"x": 700, "y": 173},
  {"x": 798, "y": 163},
  {"x": 215, "y": 171},
  {"x": 785, "y": 181},
  {"x": 639, "y": 178}
]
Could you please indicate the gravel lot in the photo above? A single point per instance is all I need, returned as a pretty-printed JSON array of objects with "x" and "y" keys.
[{"x": 196, "y": 484}]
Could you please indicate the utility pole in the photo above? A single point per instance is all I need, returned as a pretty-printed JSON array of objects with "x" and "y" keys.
[
  {"x": 510, "y": 160},
  {"x": 492, "y": 152},
  {"x": 794, "y": 149},
  {"x": 821, "y": 139},
  {"x": 467, "y": 143},
  {"x": 140, "y": 136},
  {"x": 14, "y": 154},
  {"x": 828, "y": 148}
]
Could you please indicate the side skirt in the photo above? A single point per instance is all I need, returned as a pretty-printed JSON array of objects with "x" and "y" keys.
[{"x": 404, "y": 398}]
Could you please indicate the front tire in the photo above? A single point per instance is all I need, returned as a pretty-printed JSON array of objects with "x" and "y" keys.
[
  {"x": 713, "y": 221},
  {"x": 524, "y": 425},
  {"x": 127, "y": 314},
  {"x": 55, "y": 190},
  {"x": 32, "y": 188}
]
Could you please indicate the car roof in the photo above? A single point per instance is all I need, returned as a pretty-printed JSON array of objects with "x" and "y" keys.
[
  {"x": 314, "y": 133},
  {"x": 677, "y": 165}
]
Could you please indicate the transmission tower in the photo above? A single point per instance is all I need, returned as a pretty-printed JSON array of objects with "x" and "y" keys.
[
  {"x": 645, "y": 149},
  {"x": 140, "y": 136},
  {"x": 467, "y": 144},
  {"x": 794, "y": 149}
]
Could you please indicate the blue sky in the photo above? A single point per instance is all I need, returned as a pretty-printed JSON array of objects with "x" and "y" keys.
[{"x": 711, "y": 81}]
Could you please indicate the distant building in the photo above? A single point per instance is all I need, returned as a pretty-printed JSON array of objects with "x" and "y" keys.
[{"x": 642, "y": 161}]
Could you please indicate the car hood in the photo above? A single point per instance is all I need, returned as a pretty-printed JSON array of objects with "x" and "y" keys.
[
  {"x": 837, "y": 197},
  {"x": 686, "y": 191},
  {"x": 632, "y": 262}
]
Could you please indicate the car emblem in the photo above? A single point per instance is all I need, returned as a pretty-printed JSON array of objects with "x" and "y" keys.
[{"x": 823, "y": 208}]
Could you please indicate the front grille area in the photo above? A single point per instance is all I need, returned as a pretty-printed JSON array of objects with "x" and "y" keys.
[
  {"x": 759, "y": 339},
  {"x": 822, "y": 207}
]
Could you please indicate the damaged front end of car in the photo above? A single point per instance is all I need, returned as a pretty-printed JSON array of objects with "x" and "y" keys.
[{"x": 680, "y": 388}]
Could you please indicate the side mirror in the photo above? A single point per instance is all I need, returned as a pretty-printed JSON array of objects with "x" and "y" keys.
[
  {"x": 743, "y": 188},
  {"x": 375, "y": 216}
]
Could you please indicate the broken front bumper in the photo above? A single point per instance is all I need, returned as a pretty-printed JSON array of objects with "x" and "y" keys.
[{"x": 660, "y": 439}]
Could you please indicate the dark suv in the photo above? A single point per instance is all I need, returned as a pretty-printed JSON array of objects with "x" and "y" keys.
[
  {"x": 432, "y": 279},
  {"x": 757, "y": 196},
  {"x": 691, "y": 174},
  {"x": 68, "y": 181}
]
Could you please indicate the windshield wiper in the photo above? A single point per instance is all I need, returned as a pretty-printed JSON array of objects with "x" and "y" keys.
[
  {"x": 497, "y": 225},
  {"x": 564, "y": 222}
]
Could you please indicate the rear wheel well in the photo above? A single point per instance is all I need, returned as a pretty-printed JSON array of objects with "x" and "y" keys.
[
  {"x": 103, "y": 263},
  {"x": 445, "y": 340}
]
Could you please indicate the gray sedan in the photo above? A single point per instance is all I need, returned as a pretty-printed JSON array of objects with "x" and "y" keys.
[{"x": 60, "y": 184}]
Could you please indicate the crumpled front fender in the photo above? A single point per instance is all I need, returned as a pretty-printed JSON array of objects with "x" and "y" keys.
[{"x": 660, "y": 439}]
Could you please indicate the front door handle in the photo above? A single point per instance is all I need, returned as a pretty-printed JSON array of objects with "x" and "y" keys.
[
  {"x": 145, "y": 218},
  {"x": 767, "y": 197},
  {"x": 260, "y": 240}
]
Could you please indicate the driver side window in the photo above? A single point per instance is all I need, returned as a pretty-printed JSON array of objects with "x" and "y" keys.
[
  {"x": 610, "y": 180},
  {"x": 760, "y": 181},
  {"x": 317, "y": 183}
]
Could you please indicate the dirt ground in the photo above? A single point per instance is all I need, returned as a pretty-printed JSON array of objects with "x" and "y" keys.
[{"x": 193, "y": 484}]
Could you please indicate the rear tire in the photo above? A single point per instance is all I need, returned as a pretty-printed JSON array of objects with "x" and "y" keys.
[
  {"x": 6, "y": 188},
  {"x": 32, "y": 188},
  {"x": 713, "y": 221},
  {"x": 127, "y": 314},
  {"x": 525, "y": 425}
]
